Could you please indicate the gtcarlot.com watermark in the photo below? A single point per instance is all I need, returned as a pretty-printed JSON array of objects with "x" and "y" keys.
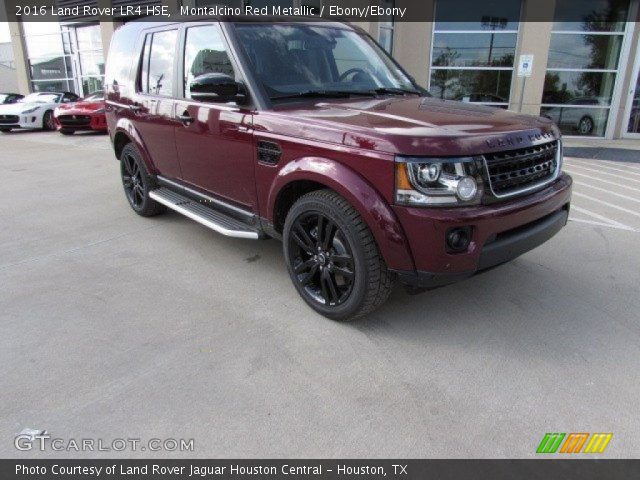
[{"x": 34, "y": 440}]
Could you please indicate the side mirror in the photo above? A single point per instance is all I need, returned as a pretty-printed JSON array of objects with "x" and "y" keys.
[{"x": 216, "y": 87}]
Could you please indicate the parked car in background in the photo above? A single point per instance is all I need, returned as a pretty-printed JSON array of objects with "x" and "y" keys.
[
  {"x": 35, "y": 111},
  {"x": 311, "y": 133},
  {"x": 583, "y": 115},
  {"x": 84, "y": 115},
  {"x": 6, "y": 98}
]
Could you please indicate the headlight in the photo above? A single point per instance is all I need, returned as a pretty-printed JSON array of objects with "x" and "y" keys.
[
  {"x": 438, "y": 181},
  {"x": 29, "y": 110}
]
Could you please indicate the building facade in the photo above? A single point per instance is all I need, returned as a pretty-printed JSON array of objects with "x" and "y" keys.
[
  {"x": 585, "y": 71},
  {"x": 8, "y": 77}
]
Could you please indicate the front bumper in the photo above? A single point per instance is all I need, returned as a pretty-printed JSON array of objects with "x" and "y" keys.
[
  {"x": 23, "y": 121},
  {"x": 81, "y": 122},
  {"x": 500, "y": 233}
]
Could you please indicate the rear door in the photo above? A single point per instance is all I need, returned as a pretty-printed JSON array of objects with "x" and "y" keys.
[
  {"x": 215, "y": 147},
  {"x": 155, "y": 99}
]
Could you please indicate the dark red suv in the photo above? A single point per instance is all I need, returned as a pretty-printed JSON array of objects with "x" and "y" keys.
[{"x": 311, "y": 133}]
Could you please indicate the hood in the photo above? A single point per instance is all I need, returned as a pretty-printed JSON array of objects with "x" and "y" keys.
[
  {"x": 413, "y": 126},
  {"x": 82, "y": 106},
  {"x": 18, "y": 108}
]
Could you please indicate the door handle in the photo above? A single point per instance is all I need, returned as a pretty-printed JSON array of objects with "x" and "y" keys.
[{"x": 185, "y": 118}]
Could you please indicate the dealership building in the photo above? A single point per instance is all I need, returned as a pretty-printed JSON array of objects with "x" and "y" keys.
[{"x": 582, "y": 63}]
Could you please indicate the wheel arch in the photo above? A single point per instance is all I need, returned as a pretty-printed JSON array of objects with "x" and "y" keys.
[
  {"x": 125, "y": 133},
  {"x": 313, "y": 173}
]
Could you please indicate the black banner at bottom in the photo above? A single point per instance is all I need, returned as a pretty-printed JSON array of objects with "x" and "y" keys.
[{"x": 584, "y": 469}]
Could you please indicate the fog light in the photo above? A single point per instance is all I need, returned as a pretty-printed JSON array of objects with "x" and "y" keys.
[
  {"x": 458, "y": 239},
  {"x": 467, "y": 188}
]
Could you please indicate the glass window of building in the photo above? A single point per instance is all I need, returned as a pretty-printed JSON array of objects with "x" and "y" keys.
[
  {"x": 90, "y": 58},
  {"x": 584, "y": 58},
  {"x": 473, "y": 61},
  {"x": 49, "y": 57},
  {"x": 64, "y": 58},
  {"x": 385, "y": 28}
]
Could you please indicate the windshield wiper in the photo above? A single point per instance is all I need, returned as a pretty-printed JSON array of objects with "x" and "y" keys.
[
  {"x": 396, "y": 91},
  {"x": 325, "y": 93}
]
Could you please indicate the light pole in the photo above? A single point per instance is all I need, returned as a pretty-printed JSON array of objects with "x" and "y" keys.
[{"x": 493, "y": 24}]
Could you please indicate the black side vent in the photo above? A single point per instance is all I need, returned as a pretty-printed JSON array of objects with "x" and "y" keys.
[{"x": 268, "y": 152}]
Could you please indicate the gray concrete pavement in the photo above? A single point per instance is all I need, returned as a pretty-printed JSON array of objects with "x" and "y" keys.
[{"x": 117, "y": 326}]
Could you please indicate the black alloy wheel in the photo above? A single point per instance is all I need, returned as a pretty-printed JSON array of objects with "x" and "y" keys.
[
  {"x": 137, "y": 183},
  {"x": 322, "y": 259},
  {"x": 332, "y": 257},
  {"x": 132, "y": 181}
]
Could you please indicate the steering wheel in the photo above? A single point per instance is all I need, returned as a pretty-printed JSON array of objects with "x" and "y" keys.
[{"x": 351, "y": 71}]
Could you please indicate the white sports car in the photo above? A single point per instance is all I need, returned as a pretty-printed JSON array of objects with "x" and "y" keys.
[{"x": 33, "y": 111}]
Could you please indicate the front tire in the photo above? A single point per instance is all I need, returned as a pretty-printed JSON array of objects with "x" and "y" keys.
[
  {"x": 66, "y": 132},
  {"x": 333, "y": 259},
  {"x": 5, "y": 130},
  {"x": 137, "y": 183},
  {"x": 48, "y": 123}
]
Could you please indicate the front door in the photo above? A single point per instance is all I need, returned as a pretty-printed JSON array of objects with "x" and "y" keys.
[
  {"x": 633, "y": 104},
  {"x": 215, "y": 146},
  {"x": 154, "y": 104}
]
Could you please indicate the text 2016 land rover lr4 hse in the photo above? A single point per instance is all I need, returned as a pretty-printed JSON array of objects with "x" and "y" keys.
[{"x": 311, "y": 133}]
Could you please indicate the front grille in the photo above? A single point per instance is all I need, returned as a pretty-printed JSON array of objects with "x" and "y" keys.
[
  {"x": 74, "y": 120},
  {"x": 516, "y": 170},
  {"x": 6, "y": 119}
]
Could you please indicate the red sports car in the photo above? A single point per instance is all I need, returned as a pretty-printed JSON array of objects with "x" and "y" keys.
[{"x": 86, "y": 114}]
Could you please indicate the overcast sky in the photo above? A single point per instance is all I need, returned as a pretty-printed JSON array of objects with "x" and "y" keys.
[{"x": 4, "y": 32}]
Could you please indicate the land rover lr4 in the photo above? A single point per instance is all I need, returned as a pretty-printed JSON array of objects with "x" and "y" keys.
[{"x": 309, "y": 132}]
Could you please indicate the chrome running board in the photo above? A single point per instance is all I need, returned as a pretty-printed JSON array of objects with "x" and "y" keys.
[{"x": 212, "y": 219}]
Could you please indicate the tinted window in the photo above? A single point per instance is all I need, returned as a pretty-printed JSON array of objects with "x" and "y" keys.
[
  {"x": 205, "y": 52},
  {"x": 159, "y": 80}
]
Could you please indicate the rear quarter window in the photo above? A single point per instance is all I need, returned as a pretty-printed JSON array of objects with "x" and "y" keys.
[{"x": 157, "y": 64}]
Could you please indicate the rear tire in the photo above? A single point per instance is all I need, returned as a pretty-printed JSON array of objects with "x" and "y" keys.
[
  {"x": 66, "y": 132},
  {"x": 137, "y": 183},
  {"x": 5, "y": 130},
  {"x": 332, "y": 257}
]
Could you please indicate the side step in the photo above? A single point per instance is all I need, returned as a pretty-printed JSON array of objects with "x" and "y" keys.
[{"x": 213, "y": 219}]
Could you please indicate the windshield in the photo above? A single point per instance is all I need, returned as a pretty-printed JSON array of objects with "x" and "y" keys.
[
  {"x": 292, "y": 59},
  {"x": 41, "y": 98},
  {"x": 94, "y": 97}
]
